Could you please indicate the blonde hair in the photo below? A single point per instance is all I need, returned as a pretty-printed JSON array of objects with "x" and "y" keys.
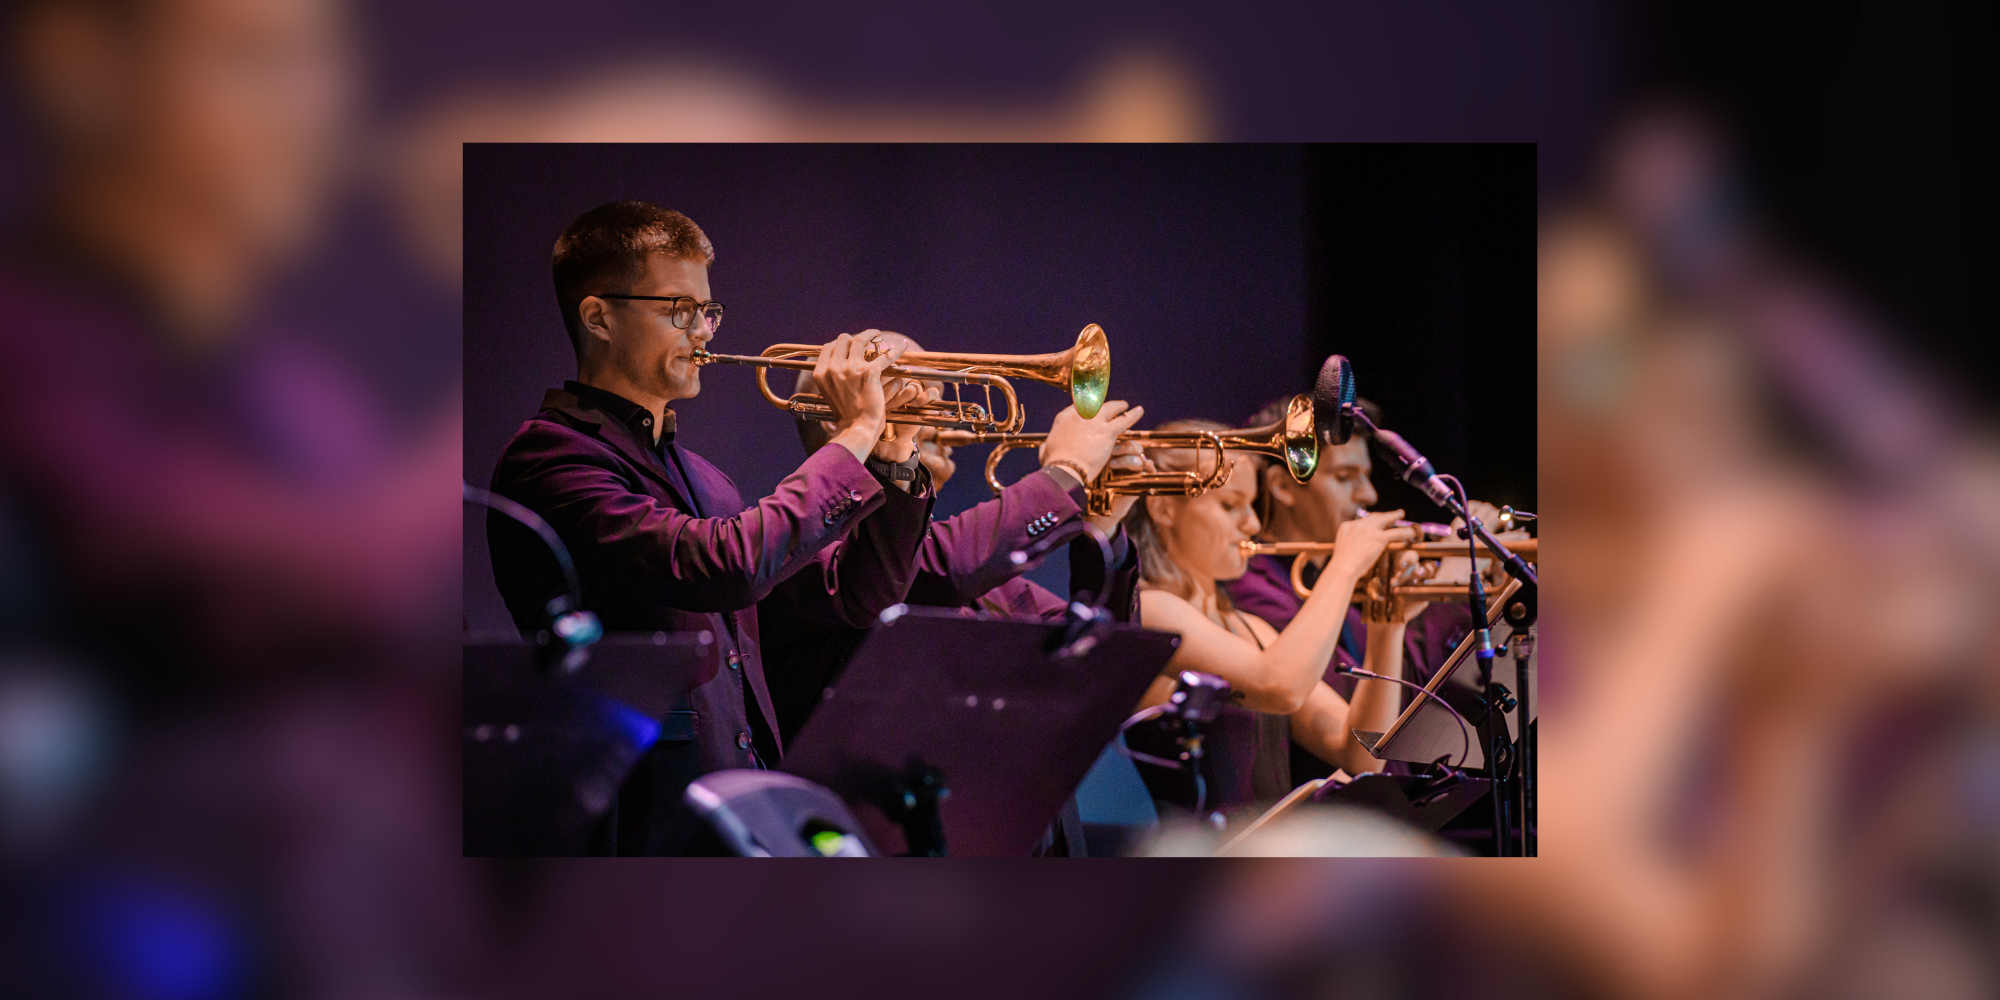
[{"x": 1157, "y": 569}]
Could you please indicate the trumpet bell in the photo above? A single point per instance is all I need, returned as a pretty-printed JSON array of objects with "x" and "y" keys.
[
  {"x": 1301, "y": 439},
  {"x": 1090, "y": 371}
]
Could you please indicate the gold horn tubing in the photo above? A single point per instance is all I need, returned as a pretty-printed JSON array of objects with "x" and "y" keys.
[
  {"x": 1293, "y": 440},
  {"x": 1378, "y": 600},
  {"x": 1084, "y": 371},
  {"x": 954, "y": 412},
  {"x": 1109, "y": 482}
]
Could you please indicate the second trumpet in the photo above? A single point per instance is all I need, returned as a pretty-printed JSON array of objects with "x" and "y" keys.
[
  {"x": 1293, "y": 440},
  {"x": 1378, "y": 591}
]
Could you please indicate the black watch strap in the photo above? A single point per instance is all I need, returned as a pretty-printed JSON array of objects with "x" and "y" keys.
[{"x": 901, "y": 472}]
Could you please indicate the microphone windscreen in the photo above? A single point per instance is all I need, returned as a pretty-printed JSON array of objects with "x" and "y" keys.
[{"x": 1333, "y": 399}]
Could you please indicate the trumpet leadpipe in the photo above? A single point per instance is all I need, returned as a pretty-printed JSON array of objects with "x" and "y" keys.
[{"x": 808, "y": 364}]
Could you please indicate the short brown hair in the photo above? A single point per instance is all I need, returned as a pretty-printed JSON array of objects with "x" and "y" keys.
[{"x": 609, "y": 245}]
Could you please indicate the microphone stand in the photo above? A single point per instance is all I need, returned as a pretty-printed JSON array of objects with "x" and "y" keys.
[{"x": 1413, "y": 468}]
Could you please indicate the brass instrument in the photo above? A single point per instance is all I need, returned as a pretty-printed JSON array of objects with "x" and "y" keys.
[
  {"x": 1377, "y": 590},
  {"x": 1293, "y": 440},
  {"x": 1084, "y": 370}
]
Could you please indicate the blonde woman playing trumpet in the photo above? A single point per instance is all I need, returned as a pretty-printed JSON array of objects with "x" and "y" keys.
[{"x": 1188, "y": 546}]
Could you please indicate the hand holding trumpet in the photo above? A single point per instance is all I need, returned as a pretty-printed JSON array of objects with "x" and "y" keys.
[
  {"x": 859, "y": 396},
  {"x": 1087, "y": 446}
]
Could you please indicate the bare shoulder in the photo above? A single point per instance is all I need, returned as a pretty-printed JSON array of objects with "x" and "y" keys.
[{"x": 1164, "y": 610}]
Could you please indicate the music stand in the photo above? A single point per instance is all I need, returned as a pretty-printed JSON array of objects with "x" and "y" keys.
[
  {"x": 1427, "y": 731},
  {"x": 544, "y": 755},
  {"x": 989, "y": 710}
]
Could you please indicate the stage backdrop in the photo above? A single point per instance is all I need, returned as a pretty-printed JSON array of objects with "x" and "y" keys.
[{"x": 1196, "y": 260}]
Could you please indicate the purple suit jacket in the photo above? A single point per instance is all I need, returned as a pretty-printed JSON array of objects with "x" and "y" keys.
[
  {"x": 962, "y": 563},
  {"x": 830, "y": 544}
]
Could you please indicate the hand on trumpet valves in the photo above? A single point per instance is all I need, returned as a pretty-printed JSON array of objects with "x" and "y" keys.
[
  {"x": 1359, "y": 542},
  {"x": 853, "y": 387},
  {"x": 1410, "y": 569},
  {"x": 897, "y": 445},
  {"x": 1127, "y": 456},
  {"x": 1088, "y": 444}
]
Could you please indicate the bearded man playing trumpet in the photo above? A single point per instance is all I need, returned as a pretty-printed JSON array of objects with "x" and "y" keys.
[
  {"x": 1189, "y": 548},
  {"x": 1314, "y": 512},
  {"x": 661, "y": 539}
]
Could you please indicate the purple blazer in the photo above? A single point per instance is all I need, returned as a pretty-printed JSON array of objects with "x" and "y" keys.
[
  {"x": 962, "y": 562},
  {"x": 830, "y": 544}
]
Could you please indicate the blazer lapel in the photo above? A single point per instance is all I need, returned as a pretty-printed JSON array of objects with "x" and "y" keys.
[{"x": 620, "y": 437}]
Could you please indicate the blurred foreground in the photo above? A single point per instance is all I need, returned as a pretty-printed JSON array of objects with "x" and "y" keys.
[{"x": 228, "y": 415}]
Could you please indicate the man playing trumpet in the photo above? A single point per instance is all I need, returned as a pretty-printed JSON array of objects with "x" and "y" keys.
[
  {"x": 1340, "y": 492},
  {"x": 963, "y": 560},
  {"x": 661, "y": 538}
]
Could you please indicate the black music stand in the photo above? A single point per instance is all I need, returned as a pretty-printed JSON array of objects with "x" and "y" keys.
[
  {"x": 544, "y": 755},
  {"x": 1421, "y": 801},
  {"x": 969, "y": 732},
  {"x": 1427, "y": 731}
]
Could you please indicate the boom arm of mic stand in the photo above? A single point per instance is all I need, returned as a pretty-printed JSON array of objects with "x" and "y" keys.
[{"x": 1516, "y": 566}]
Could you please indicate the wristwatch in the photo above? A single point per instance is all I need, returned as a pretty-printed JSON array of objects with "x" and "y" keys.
[{"x": 909, "y": 470}]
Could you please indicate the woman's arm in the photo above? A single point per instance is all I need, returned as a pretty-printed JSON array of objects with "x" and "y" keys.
[{"x": 1279, "y": 678}]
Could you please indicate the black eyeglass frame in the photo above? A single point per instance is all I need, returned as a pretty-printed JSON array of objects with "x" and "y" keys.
[{"x": 695, "y": 307}]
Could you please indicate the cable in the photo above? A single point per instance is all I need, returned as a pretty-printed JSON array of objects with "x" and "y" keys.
[
  {"x": 532, "y": 520},
  {"x": 1141, "y": 716},
  {"x": 1464, "y": 727}
]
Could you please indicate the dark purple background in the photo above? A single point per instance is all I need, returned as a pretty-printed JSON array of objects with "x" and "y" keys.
[{"x": 1195, "y": 260}]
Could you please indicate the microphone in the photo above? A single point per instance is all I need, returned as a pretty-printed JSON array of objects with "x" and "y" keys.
[
  {"x": 1335, "y": 410},
  {"x": 1412, "y": 467},
  {"x": 1333, "y": 399}
]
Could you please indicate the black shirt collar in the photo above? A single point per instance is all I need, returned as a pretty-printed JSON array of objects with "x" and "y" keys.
[{"x": 636, "y": 418}]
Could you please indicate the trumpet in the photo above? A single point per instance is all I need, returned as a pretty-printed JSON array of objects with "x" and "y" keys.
[
  {"x": 1293, "y": 440},
  {"x": 1084, "y": 370},
  {"x": 1379, "y": 590}
]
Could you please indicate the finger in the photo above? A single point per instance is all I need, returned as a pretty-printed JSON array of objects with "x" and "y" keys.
[
  {"x": 1112, "y": 408},
  {"x": 888, "y": 357},
  {"x": 841, "y": 348},
  {"x": 821, "y": 363},
  {"x": 1125, "y": 421}
]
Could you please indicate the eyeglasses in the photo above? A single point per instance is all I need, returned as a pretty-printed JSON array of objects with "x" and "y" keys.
[{"x": 683, "y": 311}]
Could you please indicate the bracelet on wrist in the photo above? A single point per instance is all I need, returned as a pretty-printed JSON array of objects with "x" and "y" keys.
[{"x": 1070, "y": 467}]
